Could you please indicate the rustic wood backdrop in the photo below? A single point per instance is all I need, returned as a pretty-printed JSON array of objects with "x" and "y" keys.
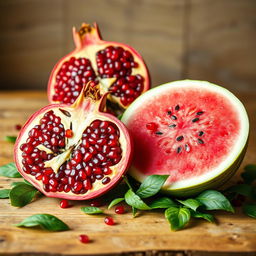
[{"x": 199, "y": 39}]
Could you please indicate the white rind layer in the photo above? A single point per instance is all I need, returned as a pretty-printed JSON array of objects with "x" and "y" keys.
[{"x": 230, "y": 159}]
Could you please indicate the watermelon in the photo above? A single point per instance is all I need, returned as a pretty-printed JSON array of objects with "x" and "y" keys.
[{"x": 194, "y": 131}]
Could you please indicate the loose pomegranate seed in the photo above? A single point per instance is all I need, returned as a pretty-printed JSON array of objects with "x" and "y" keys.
[
  {"x": 64, "y": 203},
  {"x": 84, "y": 239},
  {"x": 109, "y": 221},
  {"x": 96, "y": 203},
  {"x": 120, "y": 209},
  {"x": 17, "y": 127},
  {"x": 69, "y": 133}
]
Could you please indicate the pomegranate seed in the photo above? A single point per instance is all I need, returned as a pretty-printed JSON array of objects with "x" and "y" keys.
[
  {"x": 109, "y": 221},
  {"x": 120, "y": 209},
  {"x": 84, "y": 239},
  {"x": 64, "y": 203},
  {"x": 17, "y": 127},
  {"x": 69, "y": 133},
  {"x": 96, "y": 203}
]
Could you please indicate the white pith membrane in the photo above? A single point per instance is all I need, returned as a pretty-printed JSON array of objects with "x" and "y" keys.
[
  {"x": 89, "y": 51},
  {"x": 80, "y": 116},
  {"x": 131, "y": 116}
]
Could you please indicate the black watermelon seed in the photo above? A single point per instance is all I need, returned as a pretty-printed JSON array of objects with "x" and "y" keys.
[
  {"x": 200, "y": 113},
  {"x": 177, "y": 107},
  {"x": 201, "y": 133},
  {"x": 158, "y": 133},
  {"x": 195, "y": 120},
  {"x": 200, "y": 141},
  {"x": 173, "y": 117},
  {"x": 178, "y": 150},
  {"x": 180, "y": 138},
  {"x": 172, "y": 125},
  {"x": 169, "y": 113},
  {"x": 187, "y": 147}
]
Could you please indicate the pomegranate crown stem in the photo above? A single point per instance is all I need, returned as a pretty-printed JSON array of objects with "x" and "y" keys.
[{"x": 87, "y": 34}]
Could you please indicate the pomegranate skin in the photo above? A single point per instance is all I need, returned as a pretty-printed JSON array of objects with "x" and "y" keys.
[
  {"x": 89, "y": 47},
  {"x": 91, "y": 109}
]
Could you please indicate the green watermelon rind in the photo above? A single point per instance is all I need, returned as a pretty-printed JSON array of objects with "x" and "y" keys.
[{"x": 222, "y": 176}]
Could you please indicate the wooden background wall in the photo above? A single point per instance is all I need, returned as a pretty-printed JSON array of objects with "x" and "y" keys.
[{"x": 199, "y": 39}]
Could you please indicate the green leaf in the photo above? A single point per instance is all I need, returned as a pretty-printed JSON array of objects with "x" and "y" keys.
[
  {"x": 115, "y": 202},
  {"x": 151, "y": 185},
  {"x": 134, "y": 200},
  {"x": 10, "y": 171},
  {"x": 202, "y": 215},
  {"x": 241, "y": 189},
  {"x": 162, "y": 203},
  {"x": 120, "y": 116},
  {"x": 214, "y": 200},
  {"x": 190, "y": 203},
  {"x": 177, "y": 217},
  {"x": 45, "y": 221},
  {"x": 20, "y": 182},
  {"x": 249, "y": 175},
  {"x": 91, "y": 210},
  {"x": 11, "y": 139},
  {"x": 134, "y": 211},
  {"x": 4, "y": 193},
  {"x": 250, "y": 210},
  {"x": 22, "y": 194}
]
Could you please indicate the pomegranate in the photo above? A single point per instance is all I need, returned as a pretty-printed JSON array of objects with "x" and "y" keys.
[
  {"x": 74, "y": 151},
  {"x": 118, "y": 67}
]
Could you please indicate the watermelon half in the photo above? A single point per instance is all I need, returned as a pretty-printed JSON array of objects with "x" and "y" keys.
[{"x": 194, "y": 131}]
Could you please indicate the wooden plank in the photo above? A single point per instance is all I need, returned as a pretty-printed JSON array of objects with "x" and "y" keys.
[
  {"x": 30, "y": 41},
  {"x": 148, "y": 234},
  {"x": 154, "y": 28},
  {"x": 221, "y": 42}
]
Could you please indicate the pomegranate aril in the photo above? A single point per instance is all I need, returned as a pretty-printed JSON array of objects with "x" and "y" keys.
[
  {"x": 96, "y": 203},
  {"x": 109, "y": 221},
  {"x": 69, "y": 133},
  {"x": 84, "y": 239},
  {"x": 106, "y": 180},
  {"x": 17, "y": 127},
  {"x": 64, "y": 203},
  {"x": 87, "y": 184},
  {"x": 120, "y": 209}
]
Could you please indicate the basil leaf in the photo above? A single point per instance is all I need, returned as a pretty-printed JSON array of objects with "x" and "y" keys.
[
  {"x": 45, "y": 221},
  {"x": 250, "y": 210},
  {"x": 9, "y": 170},
  {"x": 22, "y": 194},
  {"x": 190, "y": 203},
  {"x": 134, "y": 200},
  {"x": 177, "y": 217},
  {"x": 214, "y": 200},
  {"x": 4, "y": 193},
  {"x": 162, "y": 203},
  {"x": 202, "y": 215},
  {"x": 91, "y": 210},
  {"x": 249, "y": 175},
  {"x": 11, "y": 139},
  {"x": 151, "y": 185},
  {"x": 241, "y": 189},
  {"x": 115, "y": 201}
]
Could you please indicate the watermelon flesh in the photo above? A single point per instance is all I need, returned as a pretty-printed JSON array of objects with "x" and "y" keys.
[{"x": 193, "y": 131}]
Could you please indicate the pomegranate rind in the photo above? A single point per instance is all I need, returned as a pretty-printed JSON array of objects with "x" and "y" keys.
[
  {"x": 86, "y": 46},
  {"x": 213, "y": 178},
  {"x": 118, "y": 170}
]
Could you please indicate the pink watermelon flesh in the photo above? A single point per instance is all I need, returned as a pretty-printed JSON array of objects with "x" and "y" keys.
[{"x": 207, "y": 122}]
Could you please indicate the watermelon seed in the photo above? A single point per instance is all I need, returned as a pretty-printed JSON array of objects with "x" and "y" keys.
[
  {"x": 169, "y": 112},
  {"x": 173, "y": 117},
  {"x": 201, "y": 133},
  {"x": 200, "y": 113},
  {"x": 195, "y": 120},
  {"x": 159, "y": 133},
  {"x": 180, "y": 138},
  {"x": 187, "y": 147},
  {"x": 172, "y": 125},
  {"x": 179, "y": 149},
  {"x": 200, "y": 141},
  {"x": 177, "y": 107}
]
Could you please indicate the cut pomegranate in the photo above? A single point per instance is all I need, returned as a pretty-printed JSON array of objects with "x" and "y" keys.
[
  {"x": 118, "y": 67},
  {"x": 75, "y": 152},
  {"x": 109, "y": 221},
  {"x": 84, "y": 239}
]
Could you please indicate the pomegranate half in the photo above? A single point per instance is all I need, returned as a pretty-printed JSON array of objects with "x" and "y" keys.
[
  {"x": 118, "y": 67},
  {"x": 74, "y": 151}
]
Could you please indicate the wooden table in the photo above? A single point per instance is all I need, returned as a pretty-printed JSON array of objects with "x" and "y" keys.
[{"x": 148, "y": 234}]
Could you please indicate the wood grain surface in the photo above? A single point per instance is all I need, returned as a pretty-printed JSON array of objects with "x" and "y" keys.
[{"x": 148, "y": 234}]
